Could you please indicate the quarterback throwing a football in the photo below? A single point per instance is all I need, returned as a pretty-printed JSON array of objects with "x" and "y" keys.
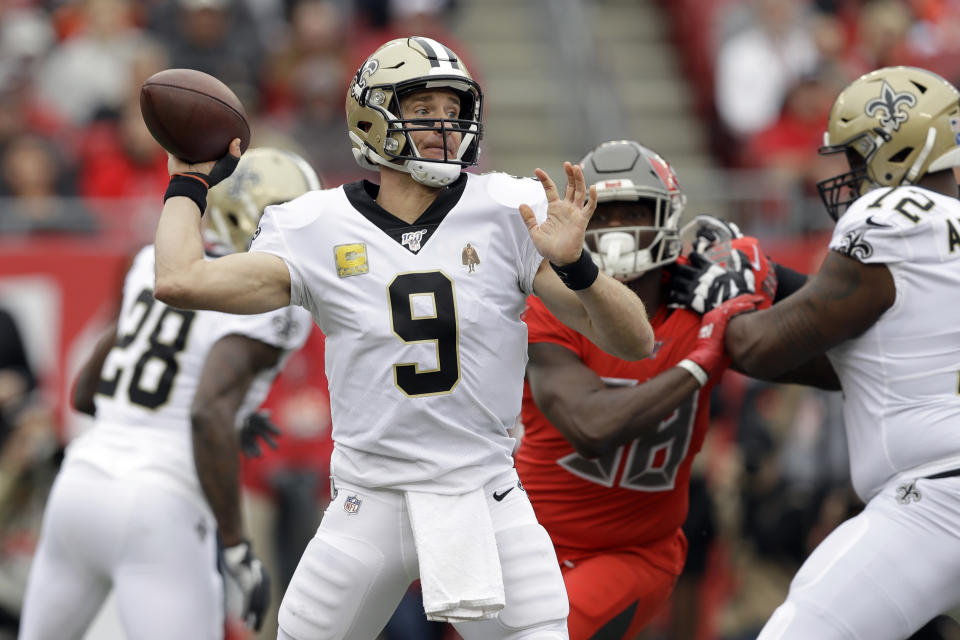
[{"x": 425, "y": 350}]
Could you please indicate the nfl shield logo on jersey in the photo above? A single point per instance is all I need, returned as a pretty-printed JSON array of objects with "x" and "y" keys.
[{"x": 352, "y": 504}]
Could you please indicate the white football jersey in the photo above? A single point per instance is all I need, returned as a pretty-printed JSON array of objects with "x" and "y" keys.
[
  {"x": 425, "y": 349},
  {"x": 149, "y": 378},
  {"x": 901, "y": 378}
]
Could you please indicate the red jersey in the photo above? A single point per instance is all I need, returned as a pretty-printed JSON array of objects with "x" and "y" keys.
[{"x": 638, "y": 494}]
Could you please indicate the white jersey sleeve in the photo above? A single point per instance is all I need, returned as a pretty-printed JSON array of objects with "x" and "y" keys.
[
  {"x": 286, "y": 328},
  {"x": 894, "y": 225},
  {"x": 511, "y": 192},
  {"x": 278, "y": 223},
  {"x": 900, "y": 377}
]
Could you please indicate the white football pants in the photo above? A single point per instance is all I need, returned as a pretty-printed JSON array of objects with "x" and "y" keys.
[
  {"x": 347, "y": 585},
  {"x": 156, "y": 549},
  {"x": 881, "y": 575}
]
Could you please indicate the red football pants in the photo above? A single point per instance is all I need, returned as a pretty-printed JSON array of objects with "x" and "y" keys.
[{"x": 614, "y": 595}]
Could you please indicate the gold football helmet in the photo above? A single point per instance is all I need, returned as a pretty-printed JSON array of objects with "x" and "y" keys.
[
  {"x": 895, "y": 125},
  {"x": 380, "y": 134},
  {"x": 263, "y": 177}
]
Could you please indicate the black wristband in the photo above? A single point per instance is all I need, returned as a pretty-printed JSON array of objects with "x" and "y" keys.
[
  {"x": 190, "y": 186},
  {"x": 580, "y": 274}
]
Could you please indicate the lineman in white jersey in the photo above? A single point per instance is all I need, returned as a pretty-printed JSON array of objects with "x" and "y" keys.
[
  {"x": 883, "y": 308},
  {"x": 143, "y": 495},
  {"x": 425, "y": 351}
]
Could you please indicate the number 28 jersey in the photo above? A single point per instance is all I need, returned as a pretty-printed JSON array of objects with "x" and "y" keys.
[
  {"x": 425, "y": 348},
  {"x": 149, "y": 379}
]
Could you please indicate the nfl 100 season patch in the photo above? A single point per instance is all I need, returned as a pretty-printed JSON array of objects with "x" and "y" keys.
[
  {"x": 351, "y": 259},
  {"x": 413, "y": 240}
]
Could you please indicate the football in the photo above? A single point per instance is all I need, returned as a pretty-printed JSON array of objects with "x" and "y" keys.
[{"x": 193, "y": 115}]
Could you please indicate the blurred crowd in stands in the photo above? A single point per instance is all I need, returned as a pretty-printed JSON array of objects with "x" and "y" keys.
[
  {"x": 75, "y": 156},
  {"x": 71, "y": 71},
  {"x": 765, "y": 73}
]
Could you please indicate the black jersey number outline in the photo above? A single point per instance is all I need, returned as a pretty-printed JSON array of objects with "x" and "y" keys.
[
  {"x": 157, "y": 349},
  {"x": 672, "y": 435},
  {"x": 901, "y": 206},
  {"x": 441, "y": 328}
]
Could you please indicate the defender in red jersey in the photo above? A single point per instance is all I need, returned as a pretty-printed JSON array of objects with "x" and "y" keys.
[{"x": 608, "y": 444}]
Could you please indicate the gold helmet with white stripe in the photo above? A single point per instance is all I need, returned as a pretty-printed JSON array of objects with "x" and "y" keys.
[
  {"x": 379, "y": 132},
  {"x": 895, "y": 125},
  {"x": 264, "y": 176}
]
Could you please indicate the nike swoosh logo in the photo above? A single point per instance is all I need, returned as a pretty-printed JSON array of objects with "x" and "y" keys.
[
  {"x": 874, "y": 223},
  {"x": 500, "y": 496}
]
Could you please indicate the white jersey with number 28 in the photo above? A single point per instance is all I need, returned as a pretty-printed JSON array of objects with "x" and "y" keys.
[{"x": 149, "y": 378}]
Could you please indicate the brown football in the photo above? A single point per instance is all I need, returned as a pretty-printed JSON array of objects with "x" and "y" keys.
[{"x": 193, "y": 115}]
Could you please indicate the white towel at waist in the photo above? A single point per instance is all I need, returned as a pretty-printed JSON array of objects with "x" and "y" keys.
[{"x": 459, "y": 563}]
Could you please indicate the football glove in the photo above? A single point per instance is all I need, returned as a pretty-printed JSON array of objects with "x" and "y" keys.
[
  {"x": 249, "y": 574},
  {"x": 702, "y": 284},
  {"x": 708, "y": 351},
  {"x": 256, "y": 427},
  {"x": 712, "y": 231}
]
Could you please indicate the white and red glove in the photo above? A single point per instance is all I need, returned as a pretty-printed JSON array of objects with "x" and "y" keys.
[{"x": 708, "y": 356}]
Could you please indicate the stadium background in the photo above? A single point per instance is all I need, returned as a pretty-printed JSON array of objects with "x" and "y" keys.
[{"x": 734, "y": 93}]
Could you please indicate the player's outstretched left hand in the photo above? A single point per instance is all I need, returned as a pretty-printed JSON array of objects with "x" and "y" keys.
[
  {"x": 256, "y": 427},
  {"x": 702, "y": 284},
  {"x": 251, "y": 577},
  {"x": 559, "y": 238}
]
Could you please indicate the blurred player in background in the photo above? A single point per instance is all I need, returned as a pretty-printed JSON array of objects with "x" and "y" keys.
[
  {"x": 424, "y": 355},
  {"x": 147, "y": 498},
  {"x": 883, "y": 308},
  {"x": 608, "y": 444}
]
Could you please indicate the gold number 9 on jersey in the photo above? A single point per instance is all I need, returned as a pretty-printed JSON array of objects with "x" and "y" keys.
[{"x": 423, "y": 309}]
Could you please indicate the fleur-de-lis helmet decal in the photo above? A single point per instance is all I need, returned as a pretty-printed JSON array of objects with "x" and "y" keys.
[
  {"x": 891, "y": 107},
  {"x": 895, "y": 125}
]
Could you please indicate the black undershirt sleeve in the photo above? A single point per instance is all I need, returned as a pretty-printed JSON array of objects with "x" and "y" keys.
[{"x": 788, "y": 281}]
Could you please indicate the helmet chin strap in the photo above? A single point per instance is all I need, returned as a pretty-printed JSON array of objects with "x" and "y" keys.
[
  {"x": 922, "y": 156},
  {"x": 431, "y": 174},
  {"x": 618, "y": 257}
]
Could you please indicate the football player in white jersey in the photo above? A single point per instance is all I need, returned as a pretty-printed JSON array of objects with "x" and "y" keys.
[
  {"x": 425, "y": 349},
  {"x": 883, "y": 309},
  {"x": 143, "y": 495}
]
